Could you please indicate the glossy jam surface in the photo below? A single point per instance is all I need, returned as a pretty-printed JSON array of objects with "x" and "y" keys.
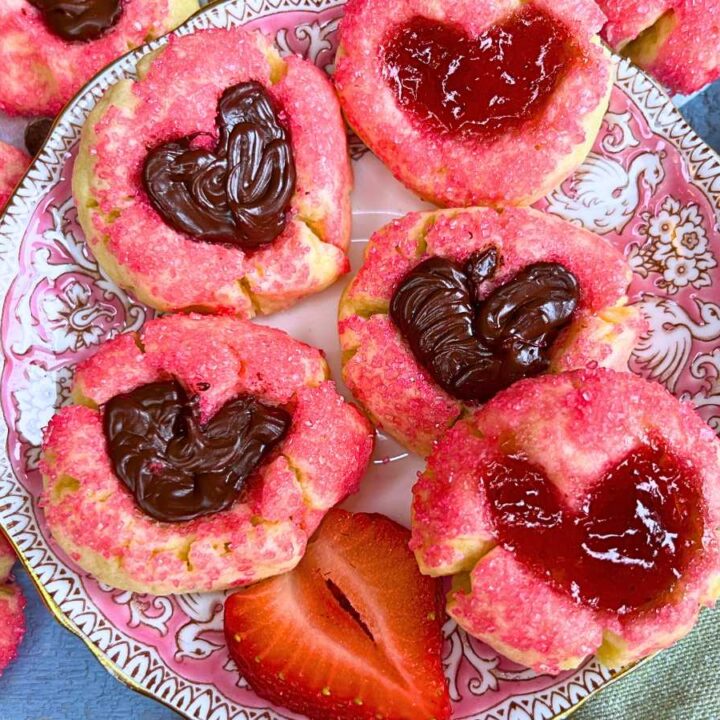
[
  {"x": 475, "y": 347},
  {"x": 628, "y": 545},
  {"x": 480, "y": 86}
]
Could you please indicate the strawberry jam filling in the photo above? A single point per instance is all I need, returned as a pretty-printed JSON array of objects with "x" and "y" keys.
[
  {"x": 627, "y": 545},
  {"x": 481, "y": 86}
]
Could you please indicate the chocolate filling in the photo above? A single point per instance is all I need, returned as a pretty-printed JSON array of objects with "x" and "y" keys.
[
  {"x": 237, "y": 193},
  {"x": 36, "y": 134},
  {"x": 474, "y": 348},
  {"x": 177, "y": 468},
  {"x": 79, "y": 19}
]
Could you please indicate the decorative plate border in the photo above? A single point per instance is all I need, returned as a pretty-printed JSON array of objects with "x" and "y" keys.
[{"x": 140, "y": 667}]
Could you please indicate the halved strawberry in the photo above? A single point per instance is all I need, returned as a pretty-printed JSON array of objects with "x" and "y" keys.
[{"x": 355, "y": 631}]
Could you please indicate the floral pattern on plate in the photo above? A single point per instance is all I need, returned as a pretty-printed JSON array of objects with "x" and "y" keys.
[{"x": 650, "y": 186}]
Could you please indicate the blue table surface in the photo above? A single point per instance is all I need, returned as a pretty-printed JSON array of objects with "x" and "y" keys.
[{"x": 56, "y": 678}]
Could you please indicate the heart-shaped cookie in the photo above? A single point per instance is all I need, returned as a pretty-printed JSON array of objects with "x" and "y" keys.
[
  {"x": 236, "y": 193},
  {"x": 79, "y": 19},
  {"x": 626, "y": 546},
  {"x": 479, "y": 86},
  {"x": 474, "y": 348},
  {"x": 177, "y": 468}
]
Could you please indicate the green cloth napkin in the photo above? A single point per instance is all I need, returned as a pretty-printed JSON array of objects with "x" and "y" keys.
[{"x": 682, "y": 683}]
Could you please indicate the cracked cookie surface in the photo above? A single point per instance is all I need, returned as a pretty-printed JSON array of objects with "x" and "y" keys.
[
  {"x": 176, "y": 96},
  {"x": 379, "y": 366},
  {"x": 42, "y": 70},
  {"x": 649, "y": 556},
  {"x": 319, "y": 461}
]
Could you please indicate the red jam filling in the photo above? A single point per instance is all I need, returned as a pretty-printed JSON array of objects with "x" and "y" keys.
[
  {"x": 480, "y": 86},
  {"x": 624, "y": 549}
]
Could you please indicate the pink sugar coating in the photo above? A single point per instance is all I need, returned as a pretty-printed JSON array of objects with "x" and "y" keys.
[
  {"x": 669, "y": 623},
  {"x": 583, "y": 349},
  {"x": 690, "y": 57},
  {"x": 285, "y": 272},
  {"x": 13, "y": 164},
  {"x": 522, "y": 235},
  {"x": 245, "y": 358},
  {"x": 319, "y": 463},
  {"x": 416, "y": 411},
  {"x": 329, "y": 444},
  {"x": 525, "y": 236},
  {"x": 451, "y": 170},
  {"x": 324, "y": 176},
  {"x": 12, "y": 623},
  {"x": 173, "y": 102},
  {"x": 103, "y": 517},
  {"x": 389, "y": 255},
  {"x": 41, "y": 71},
  {"x": 232, "y": 356},
  {"x": 508, "y": 607},
  {"x": 116, "y": 528},
  {"x": 279, "y": 495},
  {"x": 385, "y": 378},
  {"x": 7, "y": 559},
  {"x": 583, "y": 17},
  {"x": 598, "y": 416},
  {"x": 448, "y": 502},
  {"x": 12, "y": 604},
  {"x": 626, "y": 19},
  {"x": 94, "y": 382},
  {"x": 596, "y": 420}
]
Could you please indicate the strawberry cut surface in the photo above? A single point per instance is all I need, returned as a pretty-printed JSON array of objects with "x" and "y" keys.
[{"x": 355, "y": 631}]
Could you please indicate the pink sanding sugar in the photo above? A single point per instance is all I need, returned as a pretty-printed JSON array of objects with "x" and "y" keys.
[
  {"x": 321, "y": 460},
  {"x": 12, "y": 604},
  {"x": 170, "y": 102},
  {"x": 689, "y": 58},
  {"x": 380, "y": 368},
  {"x": 13, "y": 164},
  {"x": 453, "y": 170},
  {"x": 41, "y": 71},
  {"x": 598, "y": 417}
]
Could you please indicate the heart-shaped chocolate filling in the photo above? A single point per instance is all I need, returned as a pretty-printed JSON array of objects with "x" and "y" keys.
[
  {"x": 478, "y": 86},
  {"x": 176, "y": 468},
  {"x": 79, "y": 19},
  {"x": 628, "y": 544},
  {"x": 474, "y": 348},
  {"x": 236, "y": 193}
]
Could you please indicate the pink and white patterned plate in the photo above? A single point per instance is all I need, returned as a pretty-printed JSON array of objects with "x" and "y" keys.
[{"x": 650, "y": 185}]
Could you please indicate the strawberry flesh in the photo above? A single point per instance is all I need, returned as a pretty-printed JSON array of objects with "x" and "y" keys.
[{"x": 355, "y": 631}]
